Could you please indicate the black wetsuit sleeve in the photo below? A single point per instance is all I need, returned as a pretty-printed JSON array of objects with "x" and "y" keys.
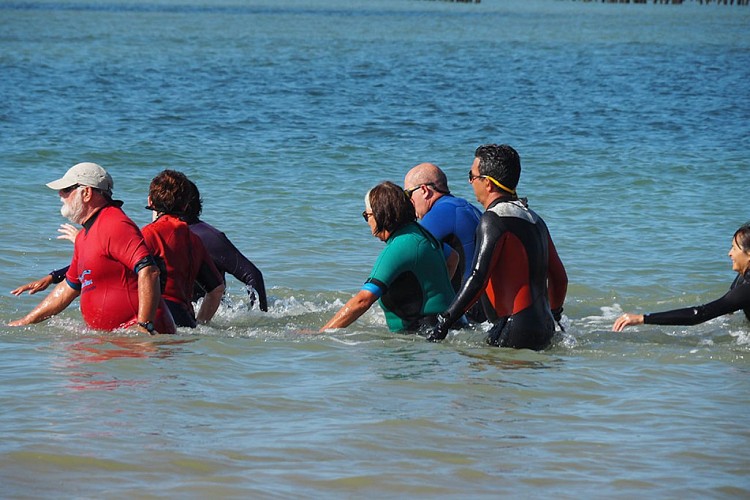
[
  {"x": 487, "y": 235},
  {"x": 59, "y": 274},
  {"x": 208, "y": 277},
  {"x": 232, "y": 261},
  {"x": 734, "y": 300}
]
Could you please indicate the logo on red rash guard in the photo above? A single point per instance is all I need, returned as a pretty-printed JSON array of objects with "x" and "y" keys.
[{"x": 85, "y": 282}]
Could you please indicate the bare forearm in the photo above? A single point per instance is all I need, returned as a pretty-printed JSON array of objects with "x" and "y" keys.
[
  {"x": 53, "y": 304},
  {"x": 353, "y": 309},
  {"x": 210, "y": 304},
  {"x": 148, "y": 293}
]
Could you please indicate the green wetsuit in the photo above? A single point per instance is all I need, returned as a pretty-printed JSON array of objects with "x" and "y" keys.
[{"x": 411, "y": 279}]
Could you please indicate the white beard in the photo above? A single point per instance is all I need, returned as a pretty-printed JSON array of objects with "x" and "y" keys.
[{"x": 73, "y": 209}]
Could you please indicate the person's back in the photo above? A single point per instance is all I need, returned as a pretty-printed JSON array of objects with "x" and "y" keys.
[
  {"x": 412, "y": 271},
  {"x": 182, "y": 251},
  {"x": 184, "y": 256},
  {"x": 109, "y": 287},
  {"x": 515, "y": 261},
  {"x": 454, "y": 221},
  {"x": 517, "y": 269}
]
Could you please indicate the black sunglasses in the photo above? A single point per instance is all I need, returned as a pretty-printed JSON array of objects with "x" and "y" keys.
[{"x": 472, "y": 176}]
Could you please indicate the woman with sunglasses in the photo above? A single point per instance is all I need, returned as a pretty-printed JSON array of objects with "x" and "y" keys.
[
  {"x": 410, "y": 276},
  {"x": 738, "y": 296}
]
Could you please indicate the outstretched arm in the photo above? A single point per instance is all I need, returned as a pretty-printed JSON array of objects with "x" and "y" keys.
[
  {"x": 41, "y": 284},
  {"x": 353, "y": 309},
  {"x": 735, "y": 299},
  {"x": 228, "y": 259},
  {"x": 627, "y": 320},
  {"x": 53, "y": 304},
  {"x": 33, "y": 287},
  {"x": 488, "y": 238}
]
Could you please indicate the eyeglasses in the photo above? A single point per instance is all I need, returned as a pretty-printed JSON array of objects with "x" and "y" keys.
[
  {"x": 472, "y": 177},
  {"x": 366, "y": 215},
  {"x": 432, "y": 185},
  {"x": 410, "y": 192},
  {"x": 68, "y": 190}
]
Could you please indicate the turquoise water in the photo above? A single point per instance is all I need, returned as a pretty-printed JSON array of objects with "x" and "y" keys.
[{"x": 633, "y": 125}]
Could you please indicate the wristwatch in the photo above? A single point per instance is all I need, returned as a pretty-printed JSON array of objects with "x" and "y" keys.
[{"x": 148, "y": 325}]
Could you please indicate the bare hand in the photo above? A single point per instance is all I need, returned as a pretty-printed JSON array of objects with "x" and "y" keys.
[
  {"x": 69, "y": 232},
  {"x": 627, "y": 319},
  {"x": 34, "y": 286},
  {"x": 308, "y": 331}
]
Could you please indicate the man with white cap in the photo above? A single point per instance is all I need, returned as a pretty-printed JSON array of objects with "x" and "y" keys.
[{"x": 112, "y": 269}]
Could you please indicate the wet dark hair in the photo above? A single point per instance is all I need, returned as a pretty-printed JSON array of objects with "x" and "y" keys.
[
  {"x": 742, "y": 237},
  {"x": 170, "y": 192},
  {"x": 194, "y": 207},
  {"x": 501, "y": 162},
  {"x": 390, "y": 207}
]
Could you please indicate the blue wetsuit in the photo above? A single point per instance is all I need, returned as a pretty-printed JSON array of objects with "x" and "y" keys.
[{"x": 454, "y": 221}]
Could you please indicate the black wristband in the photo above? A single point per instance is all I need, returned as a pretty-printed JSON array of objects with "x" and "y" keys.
[{"x": 148, "y": 325}]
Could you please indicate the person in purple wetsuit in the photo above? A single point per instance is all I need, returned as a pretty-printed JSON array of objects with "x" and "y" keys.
[
  {"x": 738, "y": 296},
  {"x": 226, "y": 257}
]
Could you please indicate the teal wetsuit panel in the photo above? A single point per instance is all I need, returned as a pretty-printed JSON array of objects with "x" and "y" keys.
[{"x": 412, "y": 273}]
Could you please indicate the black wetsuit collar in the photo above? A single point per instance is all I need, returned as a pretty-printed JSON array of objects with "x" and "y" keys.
[{"x": 90, "y": 221}]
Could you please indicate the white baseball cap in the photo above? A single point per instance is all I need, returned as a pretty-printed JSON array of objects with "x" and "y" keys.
[{"x": 84, "y": 174}]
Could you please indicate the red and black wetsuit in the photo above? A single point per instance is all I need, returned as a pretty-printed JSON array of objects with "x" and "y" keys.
[{"x": 514, "y": 261}]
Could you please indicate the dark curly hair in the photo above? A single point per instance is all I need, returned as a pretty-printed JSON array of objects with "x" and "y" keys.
[
  {"x": 501, "y": 162},
  {"x": 390, "y": 207},
  {"x": 170, "y": 193},
  {"x": 195, "y": 204}
]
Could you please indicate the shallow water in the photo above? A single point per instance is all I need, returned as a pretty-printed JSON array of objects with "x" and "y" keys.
[{"x": 632, "y": 122}]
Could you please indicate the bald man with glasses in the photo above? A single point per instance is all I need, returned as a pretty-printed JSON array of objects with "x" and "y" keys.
[{"x": 450, "y": 219}]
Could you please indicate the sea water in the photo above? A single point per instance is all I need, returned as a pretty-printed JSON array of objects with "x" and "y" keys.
[{"x": 633, "y": 126}]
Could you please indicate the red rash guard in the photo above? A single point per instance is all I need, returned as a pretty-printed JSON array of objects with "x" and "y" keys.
[
  {"x": 105, "y": 255},
  {"x": 186, "y": 259}
]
